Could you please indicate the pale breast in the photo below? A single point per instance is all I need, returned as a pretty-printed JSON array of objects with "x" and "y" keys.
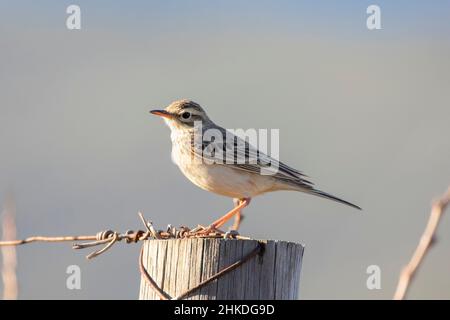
[{"x": 217, "y": 178}]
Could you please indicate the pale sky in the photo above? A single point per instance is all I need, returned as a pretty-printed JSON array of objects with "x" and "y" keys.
[{"x": 364, "y": 113}]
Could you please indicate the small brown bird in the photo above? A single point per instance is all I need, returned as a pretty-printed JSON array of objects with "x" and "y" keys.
[{"x": 240, "y": 179}]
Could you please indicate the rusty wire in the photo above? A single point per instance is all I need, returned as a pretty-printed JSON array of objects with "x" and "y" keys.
[
  {"x": 110, "y": 237},
  {"x": 259, "y": 249}
]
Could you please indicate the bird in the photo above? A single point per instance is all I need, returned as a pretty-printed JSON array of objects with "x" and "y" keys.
[{"x": 222, "y": 165}]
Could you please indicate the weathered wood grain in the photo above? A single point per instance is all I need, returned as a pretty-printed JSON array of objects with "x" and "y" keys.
[{"x": 181, "y": 264}]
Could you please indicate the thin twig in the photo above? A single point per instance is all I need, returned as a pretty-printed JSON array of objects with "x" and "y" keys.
[
  {"x": 409, "y": 271},
  {"x": 9, "y": 276}
]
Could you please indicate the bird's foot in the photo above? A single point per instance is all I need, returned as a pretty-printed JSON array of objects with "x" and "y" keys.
[
  {"x": 198, "y": 228},
  {"x": 231, "y": 234},
  {"x": 201, "y": 231}
]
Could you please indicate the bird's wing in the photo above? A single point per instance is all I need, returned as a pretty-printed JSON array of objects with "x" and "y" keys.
[
  {"x": 241, "y": 155},
  {"x": 231, "y": 150}
]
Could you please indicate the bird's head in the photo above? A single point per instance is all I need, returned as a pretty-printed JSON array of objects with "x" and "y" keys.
[{"x": 182, "y": 114}]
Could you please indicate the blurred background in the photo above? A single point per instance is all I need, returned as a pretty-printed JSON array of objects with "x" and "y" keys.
[{"x": 364, "y": 113}]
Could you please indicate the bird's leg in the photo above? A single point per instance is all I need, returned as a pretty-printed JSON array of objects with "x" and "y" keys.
[
  {"x": 213, "y": 227},
  {"x": 221, "y": 221},
  {"x": 238, "y": 217}
]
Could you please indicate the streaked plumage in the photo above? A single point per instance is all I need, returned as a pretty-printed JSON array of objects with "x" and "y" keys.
[{"x": 213, "y": 172}]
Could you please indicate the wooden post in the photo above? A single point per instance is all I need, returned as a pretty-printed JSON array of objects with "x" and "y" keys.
[{"x": 178, "y": 265}]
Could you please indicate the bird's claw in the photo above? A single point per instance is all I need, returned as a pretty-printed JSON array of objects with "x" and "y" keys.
[
  {"x": 205, "y": 231},
  {"x": 231, "y": 234}
]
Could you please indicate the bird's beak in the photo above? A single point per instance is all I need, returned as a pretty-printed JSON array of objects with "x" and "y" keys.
[{"x": 162, "y": 113}]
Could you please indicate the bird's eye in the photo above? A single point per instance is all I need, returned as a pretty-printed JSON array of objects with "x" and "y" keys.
[{"x": 186, "y": 115}]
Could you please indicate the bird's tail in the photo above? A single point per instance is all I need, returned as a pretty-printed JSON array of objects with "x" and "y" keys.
[{"x": 331, "y": 197}]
